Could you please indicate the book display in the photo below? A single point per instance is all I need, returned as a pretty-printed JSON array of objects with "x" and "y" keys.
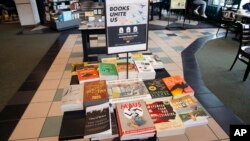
[{"x": 63, "y": 14}]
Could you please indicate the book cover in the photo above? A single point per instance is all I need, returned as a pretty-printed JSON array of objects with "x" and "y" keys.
[
  {"x": 76, "y": 66},
  {"x": 95, "y": 92},
  {"x": 137, "y": 56},
  {"x": 107, "y": 69},
  {"x": 190, "y": 111},
  {"x": 127, "y": 90},
  {"x": 133, "y": 118},
  {"x": 98, "y": 121},
  {"x": 178, "y": 86},
  {"x": 157, "y": 89},
  {"x": 112, "y": 60},
  {"x": 87, "y": 74},
  {"x": 72, "y": 98},
  {"x": 167, "y": 122}
]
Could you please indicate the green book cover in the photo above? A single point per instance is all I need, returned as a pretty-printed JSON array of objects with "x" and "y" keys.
[{"x": 107, "y": 69}]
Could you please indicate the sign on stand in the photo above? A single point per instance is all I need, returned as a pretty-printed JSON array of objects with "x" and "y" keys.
[{"x": 126, "y": 25}]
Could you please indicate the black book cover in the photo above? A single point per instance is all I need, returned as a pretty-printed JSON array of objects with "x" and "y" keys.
[
  {"x": 97, "y": 120},
  {"x": 157, "y": 88}
]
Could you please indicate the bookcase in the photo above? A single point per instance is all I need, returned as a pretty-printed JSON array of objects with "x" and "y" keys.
[{"x": 62, "y": 14}]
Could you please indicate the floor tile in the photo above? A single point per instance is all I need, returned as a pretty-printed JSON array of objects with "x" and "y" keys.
[
  {"x": 166, "y": 60},
  {"x": 200, "y": 133},
  {"x": 6, "y": 128},
  {"x": 49, "y": 84},
  {"x": 174, "y": 138},
  {"x": 66, "y": 75},
  {"x": 27, "y": 129},
  {"x": 55, "y": 109},
  {"x": 37, "y": 110},
  {"x": 57, "y": 68},
  {"x": 12, "y": 112},
  {"x": 44, "y": 96},
  {"x": 76, "y": 54},
  {"x": 221, "y": 134},
  {"x": 49, "y": 139},
  {"x": 54, "y": 75},
  {"x": 51, "y": 126},
  {"x": 153, "y": 50},
  {"x": 64, "y": 83},
  {"x": 58, "y": 95},
  {"x": 33, "y": 139},
  {"x": 21, "y": 97}
]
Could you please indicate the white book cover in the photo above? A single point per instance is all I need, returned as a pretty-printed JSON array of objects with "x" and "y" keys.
[{"x": 72, "y": 98}]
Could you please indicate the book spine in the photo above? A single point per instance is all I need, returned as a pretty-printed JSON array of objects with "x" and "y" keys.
[{"x": 119, "y": 123}]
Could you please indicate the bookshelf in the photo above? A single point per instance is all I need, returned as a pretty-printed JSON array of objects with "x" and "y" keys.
[{"x": 62, "y": 14}]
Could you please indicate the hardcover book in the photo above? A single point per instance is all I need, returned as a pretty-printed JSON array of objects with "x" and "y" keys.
[
  {"x": 157, "y": 89},
  {"x": 190, "y": 111},
  {"x": 134, "y": 121},
  {"x": 178, "y": 86},
  {"x": 167, "y": 122},
  {"x": 98, "y": 121},
  {"x": 87, "y": 74},
  {"x": 95, "y": 92},
  {"x": 127, "y": 90}
]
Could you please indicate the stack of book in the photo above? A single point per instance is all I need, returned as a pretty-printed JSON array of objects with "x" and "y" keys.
[
  {"x": 98, "y": 121},
  {"x": 87, "y": 74},
  {"x": 178, "y": 86},
  {"x": 107, "y": 71},
  {"x": 127, "y": 90},
  {"x": 190, "y": 111},
  {"x": 72, "y": 98},
  {"x": 154, "y": 60},
  {"x": 167, "y": 122},
  {"x": 134, "y": 121},
  {"x": 122, "y": 70},
  {"x": 95, "y": 92},
  {"x": 145, "y": 70}
]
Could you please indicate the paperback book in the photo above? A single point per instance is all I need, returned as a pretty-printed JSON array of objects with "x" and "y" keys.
[
  {"x": 107, "y": 71},
  {"x": 145, "y": 70},
  {"x": 98, "y": 121},
  {"x": 157, "y": 89},
  {"x": 95, "y": 92},
  {"x": 178, "y": 86},
  {"x": 72, "y": 98},
  {"x": 127, "y": 90},
  {"x": 167, "y": 122},
  {"x": 87, "y": 74},
  {"x": 190, "y": 111}
]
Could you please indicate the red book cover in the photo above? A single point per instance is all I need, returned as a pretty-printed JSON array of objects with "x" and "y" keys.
[{"x": 87, "y": 74}]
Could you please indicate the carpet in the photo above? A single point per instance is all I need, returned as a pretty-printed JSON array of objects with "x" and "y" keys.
[
  {"x": 19, "y": 56},
  {"x": 215, "y": 59}
]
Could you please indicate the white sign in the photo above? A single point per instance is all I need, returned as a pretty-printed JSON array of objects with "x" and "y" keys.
[
  {"x": 126, "y": 25},
  {"x": 178, "y": 4}
]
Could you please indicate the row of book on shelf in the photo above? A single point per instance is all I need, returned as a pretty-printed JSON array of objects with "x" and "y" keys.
[{"x": 135, "y": 108}]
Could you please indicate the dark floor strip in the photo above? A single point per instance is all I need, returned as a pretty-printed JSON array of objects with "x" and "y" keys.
[
  {"x": 224, "y": 116},
  {"x": 13, "y": 112}
]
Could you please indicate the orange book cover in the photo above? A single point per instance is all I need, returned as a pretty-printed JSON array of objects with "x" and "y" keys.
[
  {"x": 178, "y": 86},
  {"x": 95, "y": 90},
  {"x": 87, "y": 74}
]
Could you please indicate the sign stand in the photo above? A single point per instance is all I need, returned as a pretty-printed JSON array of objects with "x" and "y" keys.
[
  {"x": 126, "y": 26},
  {"x": 177, "y": 5}
]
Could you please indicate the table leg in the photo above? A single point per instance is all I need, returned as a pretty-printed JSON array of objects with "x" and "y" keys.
[{"x": 85, "y": 45}]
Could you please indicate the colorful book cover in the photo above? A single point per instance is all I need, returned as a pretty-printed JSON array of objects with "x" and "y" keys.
[
  {"x": 87, "y": 74},
  {"x": 177, "y": 86},
  {"x": 133, "y": 118},
  {"x": 122, "y": 67},
  {"x": 157, "y": 89},
  {"x": 76, "y": 66},
  {"x": 98, "y": 121},
  {"x": 107, "y": 69},
  {"x": 112, "y": 60},
  {"x": 167, "y": 122},
  {"x": 95, "y": 91},
  {"x": 125, "y": 90},
  {"x": 137, "y": 56},
  {"x": 190, "y": 111}
]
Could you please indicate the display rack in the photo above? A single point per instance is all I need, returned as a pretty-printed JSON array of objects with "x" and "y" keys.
[{"x": 63, "y": 14}]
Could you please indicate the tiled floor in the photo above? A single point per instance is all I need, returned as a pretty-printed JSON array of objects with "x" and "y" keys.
[{"x": 42, "y": 118}]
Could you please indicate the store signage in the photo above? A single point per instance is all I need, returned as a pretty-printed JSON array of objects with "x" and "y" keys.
[
  {"x": 178, "y": 4},
  {"x": 126, "y": 25}
]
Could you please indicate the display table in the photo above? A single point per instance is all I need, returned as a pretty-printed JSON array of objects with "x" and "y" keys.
[
  {"x": 87, "y": 49},
  {"x": 73, "y": 122}
]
